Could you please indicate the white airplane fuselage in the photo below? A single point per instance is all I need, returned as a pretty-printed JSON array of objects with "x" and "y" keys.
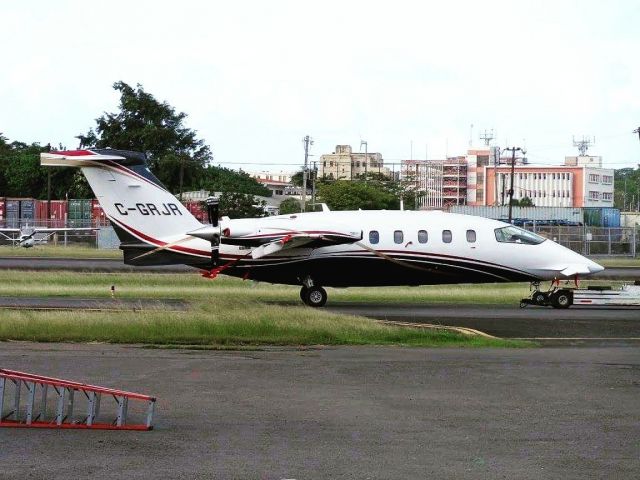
[{"x": 412, "y": 248}]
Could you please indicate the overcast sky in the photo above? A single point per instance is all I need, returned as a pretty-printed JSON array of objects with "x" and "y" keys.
[{"x": 254, "y": 77}]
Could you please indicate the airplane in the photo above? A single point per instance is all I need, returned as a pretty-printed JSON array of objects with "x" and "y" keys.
[
  {"x": 314, "y": 249},
  {"x": 26, "y": 235}
]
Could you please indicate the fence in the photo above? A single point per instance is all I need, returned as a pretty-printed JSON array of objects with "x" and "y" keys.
[
  {"x": 102, "y": 237},
  {"x": 621, "y": 241}
]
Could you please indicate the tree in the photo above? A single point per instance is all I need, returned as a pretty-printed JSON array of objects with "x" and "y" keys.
[
  {"x": 240, "y": 205},
  {"x": 352, "y": 195},
  {"x": 144, "y": 124},
  {"x": 290, "y": 205},
  {"x": 523, "y": 202},
  {"x": 220, "y": 179}
]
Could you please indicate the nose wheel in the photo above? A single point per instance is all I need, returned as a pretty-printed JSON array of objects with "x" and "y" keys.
[{"x": 313, "y": 296}]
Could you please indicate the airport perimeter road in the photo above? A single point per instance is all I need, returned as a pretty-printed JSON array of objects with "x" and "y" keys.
[
  {"x": 376, "y": 413},
  {"x": 573, "y": 325},
  {"x": 83, "y": 265}
]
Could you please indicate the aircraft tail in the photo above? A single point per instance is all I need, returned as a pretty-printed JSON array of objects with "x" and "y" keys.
[{"x": 151, "y": 223}]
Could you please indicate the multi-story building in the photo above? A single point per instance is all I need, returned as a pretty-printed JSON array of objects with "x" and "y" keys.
[
  {"x": 344, "y": 164},
  {"x": 425, "y": 178},
  {"x": 549, "y": 186}
]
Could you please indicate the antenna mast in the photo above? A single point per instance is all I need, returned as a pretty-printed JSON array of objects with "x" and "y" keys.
[
  {"x": 487, "y": 137},
  {"x": 584, "y": 144}
]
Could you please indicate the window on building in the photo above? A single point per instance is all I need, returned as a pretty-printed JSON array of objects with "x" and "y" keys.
[
  {"x": 471, "y": 236},
  {"x": 447, "y": 236},
  {"x": 423, "y": 236},
  {"x": 608, "y": 196},
  {"x": 398, "y": 236},
  {"x": 374, "y": 237}
]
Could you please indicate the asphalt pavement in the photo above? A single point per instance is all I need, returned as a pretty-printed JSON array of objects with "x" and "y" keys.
[
  {"x": 348, "y": 412},
  {"x": 576, "y": 325}
]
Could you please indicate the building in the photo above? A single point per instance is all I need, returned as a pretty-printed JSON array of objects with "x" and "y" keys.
[
  {"x": 424, "y": 177},
  {"x": 344, "y": 164},
  {"x": 549, "y": 186}
]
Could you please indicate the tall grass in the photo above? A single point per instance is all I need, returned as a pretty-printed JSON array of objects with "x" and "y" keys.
[{"x": 225, "y": 311}]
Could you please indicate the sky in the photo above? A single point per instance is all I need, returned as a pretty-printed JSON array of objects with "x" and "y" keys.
[{"x": 407, "y": 77}]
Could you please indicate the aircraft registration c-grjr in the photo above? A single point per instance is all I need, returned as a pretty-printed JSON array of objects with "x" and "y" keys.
[{"x": 315, "y": 249}]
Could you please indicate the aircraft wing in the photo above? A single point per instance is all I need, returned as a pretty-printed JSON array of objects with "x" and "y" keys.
[
  {"x": 70, "y": 229},
  {"x": 297, "y": 240},
  {"x": 5, "y": 231}
]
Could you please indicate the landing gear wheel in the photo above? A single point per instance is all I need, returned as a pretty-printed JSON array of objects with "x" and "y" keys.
[
  {"x": 540, "y": 298},
  {"x": 314, "y": 296},
  {"x": 562, "y": 299}
]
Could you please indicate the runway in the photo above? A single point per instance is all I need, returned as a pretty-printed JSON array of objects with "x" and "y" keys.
[
  {"x": 106, "y": 265},
  {"x": 575, "y": 325},
  {"x": 344, "y": 412}
]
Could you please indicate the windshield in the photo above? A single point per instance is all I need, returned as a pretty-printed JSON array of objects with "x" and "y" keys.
[{"x": 513, "y": 234}]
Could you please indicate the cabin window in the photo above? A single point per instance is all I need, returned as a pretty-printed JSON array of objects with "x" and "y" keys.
[
  {"x": 374, "y": 237},
  {"x": 398, "y": 236},
  {"x": 446, "y": 236},
  {"x": 471, "y": 236},
  {"x": 423, "y": 236},
  {"x": 511, "y": 234}
]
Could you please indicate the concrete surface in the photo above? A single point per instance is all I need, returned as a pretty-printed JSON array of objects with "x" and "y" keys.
[{"x": 378, "y": 413}]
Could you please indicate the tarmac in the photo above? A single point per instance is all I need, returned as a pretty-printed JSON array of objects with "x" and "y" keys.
[{"x": 347, "y": 412}]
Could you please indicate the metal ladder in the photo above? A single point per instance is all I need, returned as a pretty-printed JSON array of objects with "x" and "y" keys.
[{"x": 61, "y": 396}]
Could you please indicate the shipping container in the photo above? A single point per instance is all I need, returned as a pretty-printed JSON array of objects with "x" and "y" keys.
[
  {"x": 525, "y": 215},
  {"x": 2, "y": 214},
  {"x": 58, "y": 213},
  {"x": 12, "y": 212},
  {"x": 79, "y": 212},
  {"x": 27, "y": 211},
  {"x": 602, "y": 217},
  {"x": 98, "y": 218},
  {"x": 197, "y": 209}
]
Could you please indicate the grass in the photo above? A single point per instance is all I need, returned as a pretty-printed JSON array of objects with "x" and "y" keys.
[
  {"x": 617, "y": 261},
  {"x": 224, "y": 312},
  {"x": 59, "y": 251}
]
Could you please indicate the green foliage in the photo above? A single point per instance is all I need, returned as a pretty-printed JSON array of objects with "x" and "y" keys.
[
  {"x": 144, "y": 124},
  {"x": 220, "y": 179},
  {"x": 523, "y": 202},
  {"x": 21, "y": 174},
  {"x": 376, "y": 193},
  {"x": 290, "y": 205},
  {"x": 240, "y": 205},
  {"x": 627, "y": 193},
  {"x": 296, "y": 178}
]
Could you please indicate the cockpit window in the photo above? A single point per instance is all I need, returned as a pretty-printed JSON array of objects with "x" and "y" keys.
[{"x": 513, "y": 234}]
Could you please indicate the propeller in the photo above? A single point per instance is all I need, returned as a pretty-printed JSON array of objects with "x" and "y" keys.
[{"x": 213, "y": 210}]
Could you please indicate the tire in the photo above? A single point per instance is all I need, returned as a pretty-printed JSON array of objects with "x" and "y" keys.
[
  {"x": 562, "y": 299},
  {"x": 315, "y": 297},
  {"x": 540, "y": 298}
]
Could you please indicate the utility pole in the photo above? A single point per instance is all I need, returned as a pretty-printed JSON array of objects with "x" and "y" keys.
[
  {"x": 314, "y": 175},
  {"x": 307, "y": 141},
  {"x": 366, "y": 159},
  {"x": 181, "y": 175},
  {"x": 513, "y": 169}
]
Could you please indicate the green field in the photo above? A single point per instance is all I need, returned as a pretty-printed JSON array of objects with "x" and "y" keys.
[{"x": 226, "y": 312}]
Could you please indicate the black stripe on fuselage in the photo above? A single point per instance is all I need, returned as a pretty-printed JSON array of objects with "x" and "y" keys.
[{"x": 370, "y": 270}]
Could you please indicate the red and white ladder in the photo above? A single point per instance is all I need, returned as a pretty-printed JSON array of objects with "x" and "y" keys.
[{"x": 61, "y": 396}]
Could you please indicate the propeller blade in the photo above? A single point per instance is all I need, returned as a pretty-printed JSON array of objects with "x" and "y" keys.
[{"x": 213, "y": 211}]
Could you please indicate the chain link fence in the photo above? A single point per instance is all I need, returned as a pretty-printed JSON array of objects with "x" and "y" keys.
[{"x": 621, "y": 241}]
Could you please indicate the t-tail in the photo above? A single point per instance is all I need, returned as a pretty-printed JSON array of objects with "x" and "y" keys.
[{"x": 151, "y": 223}]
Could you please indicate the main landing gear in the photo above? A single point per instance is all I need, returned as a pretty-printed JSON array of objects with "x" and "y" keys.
[{"x": 313, "y": 295}]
